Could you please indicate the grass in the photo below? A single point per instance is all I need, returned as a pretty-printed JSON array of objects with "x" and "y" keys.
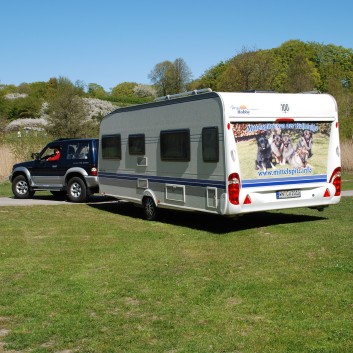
[
  {"x": 347, "y": 181},
  {"x": 80, "y": 278}
]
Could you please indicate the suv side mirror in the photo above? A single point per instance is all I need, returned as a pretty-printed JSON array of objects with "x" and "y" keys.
[{"x": 35, "y": 156}]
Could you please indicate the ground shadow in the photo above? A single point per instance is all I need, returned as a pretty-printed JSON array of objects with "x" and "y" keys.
[
  {"x": 208, "y": 222},
  {"x": 91, "y": 198}
]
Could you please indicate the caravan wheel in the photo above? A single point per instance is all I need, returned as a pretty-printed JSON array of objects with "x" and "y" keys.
[{"x": 149, "y": 209}]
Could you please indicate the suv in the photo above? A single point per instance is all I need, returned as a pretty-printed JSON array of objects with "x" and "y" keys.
[{"x": 72, "y": 172}]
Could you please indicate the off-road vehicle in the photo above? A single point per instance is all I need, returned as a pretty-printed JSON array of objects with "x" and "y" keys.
[{"x": 72, "y": 172}]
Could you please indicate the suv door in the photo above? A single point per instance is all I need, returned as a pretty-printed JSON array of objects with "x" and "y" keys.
[{"x": 49, "y": 174}]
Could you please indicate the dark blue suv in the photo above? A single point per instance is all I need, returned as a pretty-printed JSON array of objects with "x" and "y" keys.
[{"x": 64, "y": 167}]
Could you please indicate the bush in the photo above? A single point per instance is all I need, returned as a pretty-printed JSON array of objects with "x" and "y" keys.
[{"x": 346, "y": 155}]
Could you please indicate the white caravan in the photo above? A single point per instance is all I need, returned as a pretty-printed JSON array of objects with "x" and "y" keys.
[{"x": 223, "y": 153}]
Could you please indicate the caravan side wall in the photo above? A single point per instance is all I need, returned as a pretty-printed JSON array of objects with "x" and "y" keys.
[{"x": 177, "y": 181}]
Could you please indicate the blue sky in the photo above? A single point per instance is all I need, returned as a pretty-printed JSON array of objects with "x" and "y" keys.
[{"x": 109, "y": 42}]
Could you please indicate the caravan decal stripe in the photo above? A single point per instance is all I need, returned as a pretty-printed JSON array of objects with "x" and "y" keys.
[
  {"x": 164, "y": 180},
  {"x": 284, "y": 181}
]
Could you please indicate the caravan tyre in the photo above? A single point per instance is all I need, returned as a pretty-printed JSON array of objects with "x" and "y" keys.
[{"x": 149, "y": 209}]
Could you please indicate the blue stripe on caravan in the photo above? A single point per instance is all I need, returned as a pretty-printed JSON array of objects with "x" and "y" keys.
[
  {"x": 285, "y": 181},
  {"x": 164, "y": 180}
]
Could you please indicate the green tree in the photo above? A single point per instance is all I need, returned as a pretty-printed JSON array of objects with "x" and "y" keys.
[
  {"x": 302, "y": 75},
  {"x": 51, "y": 88},
  {"x": 125, "y": 89},
  {"x": 162, "y": 78},
  {"x": 22, "y": 108},
  {"x": 181, "y": 75},
  {"x": 67, "y": 113},
  {"x": 210, "y": 78},
  {"x": 249, "y": 70},
  {"x": 334, "y": 63},
  {"x": 96, "y": 91},
  {"x": 170, "y": 78},
  {"x": 2, "y": 104}
]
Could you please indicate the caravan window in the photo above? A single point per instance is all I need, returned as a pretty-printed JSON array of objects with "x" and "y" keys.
[
  {"x": 137, "y": 144},
  {"x": 111, "y": 146},
  {"x": 175, "y": 145},
  {"x": 210, "y": 149}
]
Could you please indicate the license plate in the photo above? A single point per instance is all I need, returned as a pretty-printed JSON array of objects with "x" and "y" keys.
[{"x": 288, "y": 194}]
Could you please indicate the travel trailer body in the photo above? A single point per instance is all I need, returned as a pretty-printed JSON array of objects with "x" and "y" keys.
[{"x": 223, "y": 153}]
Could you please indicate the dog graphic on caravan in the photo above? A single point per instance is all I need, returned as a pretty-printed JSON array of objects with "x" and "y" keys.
[
  {"x": 264, "y": 154},
  {"x": 306, "y": 141},
  {"x": 296, "y": 158},
  {"x": 276, "y": 147}
]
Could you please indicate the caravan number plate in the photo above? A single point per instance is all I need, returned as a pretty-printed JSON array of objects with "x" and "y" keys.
[{"x": 288, "y": 194}]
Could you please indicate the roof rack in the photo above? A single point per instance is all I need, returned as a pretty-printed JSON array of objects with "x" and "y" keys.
[{"x": 184, "y": 94}]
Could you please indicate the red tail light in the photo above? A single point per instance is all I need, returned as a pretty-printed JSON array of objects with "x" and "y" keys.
[
  {"x": 336, "y": 180},
  {"x": 94, "y": 171},
  {"x": 233, "y": 188}
]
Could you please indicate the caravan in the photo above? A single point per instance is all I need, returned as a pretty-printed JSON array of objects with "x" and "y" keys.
[{"x": 223, "y": 153}]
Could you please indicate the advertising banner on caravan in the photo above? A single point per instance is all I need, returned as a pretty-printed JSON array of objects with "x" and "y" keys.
[{"x": 279, "y": 153}]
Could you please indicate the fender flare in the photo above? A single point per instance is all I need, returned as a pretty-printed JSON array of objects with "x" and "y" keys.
[
  {"x": 75, "y": 170},
  {"x": 150, "y": 193},
  {"x": 22, "y": 170}
]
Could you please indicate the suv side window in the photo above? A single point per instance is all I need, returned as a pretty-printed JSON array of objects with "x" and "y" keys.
[
  {"x": 48, "y": 152},
  {"x": 79, "y": 150}
]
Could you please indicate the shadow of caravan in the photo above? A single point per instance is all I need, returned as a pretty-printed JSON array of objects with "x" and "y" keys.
[{"x": 223, "y": 153}]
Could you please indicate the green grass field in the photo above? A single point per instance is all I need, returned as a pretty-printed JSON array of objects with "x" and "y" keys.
[{"x": 97, "y": 278}]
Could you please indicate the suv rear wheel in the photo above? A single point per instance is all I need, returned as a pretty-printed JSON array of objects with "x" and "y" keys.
[
  {"x": 21, "y": 188},
  {"x": 76, "y": 190}
]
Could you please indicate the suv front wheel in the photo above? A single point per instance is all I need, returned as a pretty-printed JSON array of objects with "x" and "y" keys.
[
  {"x": 21, "y": 188},
  {"x": 76, "y": 190}
]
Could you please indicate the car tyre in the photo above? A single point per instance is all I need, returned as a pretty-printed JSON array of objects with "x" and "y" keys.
[
  {"x": 149, "y": 209},
  {"x": 21, "y": 188},
  {"x": 76, "y": 190}
]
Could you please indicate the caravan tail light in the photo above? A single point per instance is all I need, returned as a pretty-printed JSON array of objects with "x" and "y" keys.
[
  {"x": 336, "y": 180},
  {"x": 94, "y": 171},
  {"x": 233, "y": 188}
]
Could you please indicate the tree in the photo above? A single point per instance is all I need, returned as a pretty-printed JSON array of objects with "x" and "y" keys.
[
  {"x": 67, "y": 113},
  {"x": 96, "y": 91},
  {"x": 302, "y": 75},
  {"x": 143, "y": 91},
  {"x": 210, "y": 78},
  {"x": 125, "y": 89},
  {"x": 170, "y": 78},
  {"x": 249, "y": 70},
  {"x": 162, "y": 78},
  {"x": 334, "y": 63},
  {"x": 182, "y": 75}
]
